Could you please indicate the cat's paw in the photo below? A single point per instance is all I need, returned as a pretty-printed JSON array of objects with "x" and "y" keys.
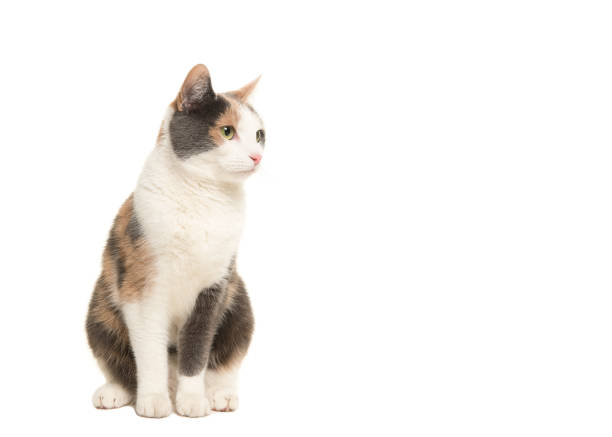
[
  {"x": 153, "y": 405},
  {"x": 111, "y": 395},
  {"x": 223, "y": 399},
  {"x": 192, "y": 404}
]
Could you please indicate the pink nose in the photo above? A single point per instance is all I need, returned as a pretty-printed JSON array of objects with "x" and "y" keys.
[{"x": 256, "y": 158}]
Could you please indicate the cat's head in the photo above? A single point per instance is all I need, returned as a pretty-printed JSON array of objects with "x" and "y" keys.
[{"x": 212, "y": 135}]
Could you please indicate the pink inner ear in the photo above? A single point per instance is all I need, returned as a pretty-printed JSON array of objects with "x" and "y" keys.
[
  {"x": 244, "y": 92},
  {"x": 195, "y": 88}
]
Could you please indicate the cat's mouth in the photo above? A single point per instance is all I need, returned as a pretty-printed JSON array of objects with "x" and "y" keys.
[{"x": 246, "y": 172}]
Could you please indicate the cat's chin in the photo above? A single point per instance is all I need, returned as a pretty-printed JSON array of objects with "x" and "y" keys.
[
  {"x": 246, "y": 172},
  {"x": 239, "y": 176},
  {"x": 219, "y": 174}
]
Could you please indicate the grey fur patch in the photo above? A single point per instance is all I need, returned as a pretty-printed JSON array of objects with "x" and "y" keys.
[
  {"x": 133, "y": 228},
  {"x": 108, "y": 337},
  {"x": 196, "y": 336},
  {"x": 189, "y": 130},
  {"x": 235, "y": 330},
  {"x": 116, "y": 255}
]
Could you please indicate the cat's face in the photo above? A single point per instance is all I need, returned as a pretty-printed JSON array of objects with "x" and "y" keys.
[{"x": 217, "y": 136}]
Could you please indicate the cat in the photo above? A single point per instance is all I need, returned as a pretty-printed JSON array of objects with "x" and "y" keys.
[{"x": 169, "y": 291}]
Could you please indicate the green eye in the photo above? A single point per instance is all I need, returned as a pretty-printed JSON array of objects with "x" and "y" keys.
[
  {"x": 260, "y": 136},
  {"x": 227, "y": 132}
]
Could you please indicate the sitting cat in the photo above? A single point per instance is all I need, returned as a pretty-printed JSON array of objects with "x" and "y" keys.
[{"x": 169, "y": 285}]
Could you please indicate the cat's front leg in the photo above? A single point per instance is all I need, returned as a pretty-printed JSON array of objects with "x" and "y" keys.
[
  {"x": 147, "y": 323},
  {"x": 195, "y": 342}
]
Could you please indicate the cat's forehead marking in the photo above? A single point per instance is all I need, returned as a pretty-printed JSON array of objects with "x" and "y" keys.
[
  {"x": 243, "y": 105},
  {"x": 250, "y": 122},
  {"x": 230, "y": 117}
]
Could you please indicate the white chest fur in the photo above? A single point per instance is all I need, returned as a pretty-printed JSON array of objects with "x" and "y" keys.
[{"x": 192, "y": 227}]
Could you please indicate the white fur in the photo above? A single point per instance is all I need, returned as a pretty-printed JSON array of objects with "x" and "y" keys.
[
  {"x": 153, "y": 405},
  {"x": 222, "y": 388},
  {"x": 190, "y": 397},
  {"x": 230, "y": 162},
  {"x": 148, "y": 323},
  {"x": 192, "y": 213}
]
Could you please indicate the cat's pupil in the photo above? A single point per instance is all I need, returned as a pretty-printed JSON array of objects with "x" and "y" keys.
[{"x": 226, "y": 130}]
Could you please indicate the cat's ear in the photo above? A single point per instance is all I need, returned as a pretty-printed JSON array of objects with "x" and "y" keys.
[
  {"x": 243, "y": 93},
  {"x": 196, "y": 90}
]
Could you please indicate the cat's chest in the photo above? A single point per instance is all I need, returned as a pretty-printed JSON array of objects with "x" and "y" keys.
[
  {"x": 194, "y": 242},
  {"x": 204, "y": 235}
]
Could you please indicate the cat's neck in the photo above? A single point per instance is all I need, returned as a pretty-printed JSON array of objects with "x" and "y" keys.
[{"x": 163, "y": 176}]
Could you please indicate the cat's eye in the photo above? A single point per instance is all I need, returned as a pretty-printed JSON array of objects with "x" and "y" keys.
[
  {"x": 260, "y": 136},
  {"x": 227, "y": 132}
]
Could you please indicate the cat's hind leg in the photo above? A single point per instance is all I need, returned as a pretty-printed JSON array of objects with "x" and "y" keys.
[
  {"x": 109, "y": 341},
  {"x": 111, "y": 394}
]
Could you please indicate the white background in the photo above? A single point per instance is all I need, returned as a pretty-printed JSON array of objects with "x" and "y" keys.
[{"x": 428, "y": 244}]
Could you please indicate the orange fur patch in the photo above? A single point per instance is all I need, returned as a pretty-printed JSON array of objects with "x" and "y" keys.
[
  {"x": 127, "y": 263},
  {"x": 230, "y": 117},
  {"x": 103, "y": 309}
]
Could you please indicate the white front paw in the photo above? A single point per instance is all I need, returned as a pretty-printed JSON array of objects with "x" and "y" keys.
[
  {"x": 153, "y": 405},
  {"x": 223, "y": 399},
  {"x": 192, "y": 404}
]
